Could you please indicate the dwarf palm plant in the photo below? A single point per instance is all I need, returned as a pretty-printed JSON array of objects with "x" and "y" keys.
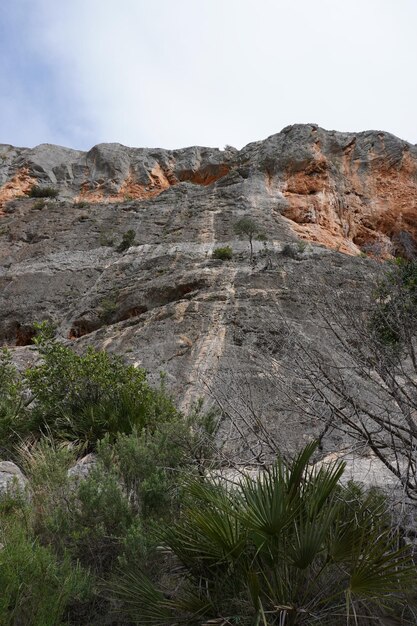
[{"x": 290, "y": 547}]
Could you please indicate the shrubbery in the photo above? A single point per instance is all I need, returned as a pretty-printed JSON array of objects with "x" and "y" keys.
[
  {"x": 127, "y": 241},
  {"x": 42, "y": 192},
  {"x": 292, "y": 546},
  {"x": 73, "y": 534},
  {"x": 37, "y": 587},
  {"x": 77, "y": 398},
  {"x": 224, "y": 254}
]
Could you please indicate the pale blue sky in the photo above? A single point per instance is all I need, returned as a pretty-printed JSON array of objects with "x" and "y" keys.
[{"x": 172, "y": 73}]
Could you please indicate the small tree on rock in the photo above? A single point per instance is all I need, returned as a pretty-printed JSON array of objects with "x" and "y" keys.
[{"x": 247, "y": 227}]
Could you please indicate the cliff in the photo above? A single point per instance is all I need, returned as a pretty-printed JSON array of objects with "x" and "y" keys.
[{"x": 164, "y": 303}]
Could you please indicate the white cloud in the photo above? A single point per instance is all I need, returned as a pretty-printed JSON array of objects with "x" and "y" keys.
[{"x": 222, "y": 71}]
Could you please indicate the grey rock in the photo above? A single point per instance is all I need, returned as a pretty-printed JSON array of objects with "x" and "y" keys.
[
  {"x": 12, "y": 480},
  {"x": 164, "y": 303},
  {"x": 83, "y": 467}
]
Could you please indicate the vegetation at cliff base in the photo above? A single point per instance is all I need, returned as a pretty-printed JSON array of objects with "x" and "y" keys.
[
  {"x": 77, "y": 524},
  {"x": 124, "y": 521},
  {"x": 291, "y": 546}
]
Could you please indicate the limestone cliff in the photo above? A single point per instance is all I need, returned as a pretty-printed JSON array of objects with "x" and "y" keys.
[{"x": 165, "y": 303}]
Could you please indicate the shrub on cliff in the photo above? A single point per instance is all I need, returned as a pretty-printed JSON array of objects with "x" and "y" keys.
[
  {"x": 127, "y": 241},
  {"x": 42, "y": 192},
  {"x": 224, "y": 254}
]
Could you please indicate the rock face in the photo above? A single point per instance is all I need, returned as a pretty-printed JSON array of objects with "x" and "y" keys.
[{"x": 164, "y": 303}]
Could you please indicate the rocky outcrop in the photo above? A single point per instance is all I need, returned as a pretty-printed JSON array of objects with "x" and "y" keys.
[
  {"x": 347, "y": 191},
  {"x": 108, "y": 172},
  {"x": 164, "y": 303},
  {"x": 355, "y": 191}
]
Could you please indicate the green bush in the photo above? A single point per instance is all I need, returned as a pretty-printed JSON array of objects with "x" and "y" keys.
[
  {"x": 290, "y": 547},
  {"x": 43, "y": 192},
  {"x": 290, "y": 250},
  {"x": 13, "y": 406},
  {"x": 100, "y": 521},
  {"x": 36, "y": 588},
  {"x": 46, "y": 464},
  {"x": 224, "y": 254},
  {"x": 87, "y": 521},
  {"x": 76, "y": 398},
  {"x": 128, "y": 240},
  {"x": 149, "y": 462},
  {"x": 39, "y": 204},
  {"x": 393, "y": 318},
  {"x": 82, "y": 399},
  {"x": 90, "y": 522},
  {"x": 135, "y": 479}
]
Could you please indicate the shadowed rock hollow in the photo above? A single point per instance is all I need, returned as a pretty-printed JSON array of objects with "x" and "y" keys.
[{"x": 164, "y": 303}]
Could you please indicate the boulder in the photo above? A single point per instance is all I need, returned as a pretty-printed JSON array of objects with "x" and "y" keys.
[
  {"x": 12, "y": 480},
  {"x": 83, "y": 467}
]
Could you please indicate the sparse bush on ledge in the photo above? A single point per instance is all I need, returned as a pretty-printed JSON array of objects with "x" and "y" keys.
[
  {"x": 128, "y": 239},
  {"x": 294, "y": 250},
  {"x": 81, "y": 204},
  {"x": 224, "y": 254},
  {"x": 39, "y": 204},
  {"x": 42, "y": 192}
]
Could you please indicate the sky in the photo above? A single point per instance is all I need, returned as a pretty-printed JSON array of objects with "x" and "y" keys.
[{"x": 174, "y": 73}]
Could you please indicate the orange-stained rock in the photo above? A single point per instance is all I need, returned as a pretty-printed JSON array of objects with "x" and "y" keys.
[
  {"x": 348, "y": 191},
  {"x": 130, "y": 189},
  {"x": 353, "y": 204},
  {"x": 18, "y": 186}
]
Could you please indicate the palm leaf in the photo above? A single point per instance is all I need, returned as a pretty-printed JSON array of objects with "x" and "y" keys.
[
  {"x": 141, "y": 600},
  {"x": 267, "y": 510}
]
